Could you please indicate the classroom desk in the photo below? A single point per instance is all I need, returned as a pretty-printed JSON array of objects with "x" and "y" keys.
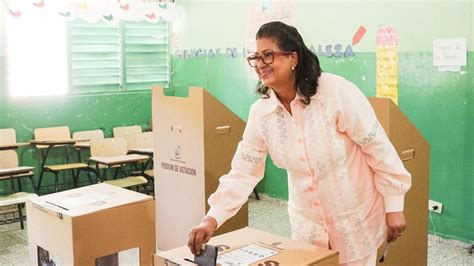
[
  {"x": 142, "y": 151},
  {"x": 81, "y": 146},
  {"x": 54, "y": 142},
  {"x": 15, "y": 171},
  {"x": 115, "y": 160},
  {"x": 45, "y": 146},
  {"x": 12, "y": 146}
]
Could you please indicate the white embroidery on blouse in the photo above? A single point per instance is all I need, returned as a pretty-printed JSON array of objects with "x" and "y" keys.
[
  {"x": 339, "y": 195},
  {"x": 274, "y": 131},
  {"x": 250, "y": 158},
  {"x": 307, "y": 230},
  {"x": 371, "y": 135},
  {"x": 283, "y": 137}
]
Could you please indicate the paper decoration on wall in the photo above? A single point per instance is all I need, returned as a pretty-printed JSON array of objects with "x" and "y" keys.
[
  {"x": 15, "y": 14},
  {"x": 109, "y": 17},
  {"x": 330, "y": 50},
  {"x": 267, "y": 6},
  {"x": 259, "y": 14},
  {"x": 387, "y": 63},
  {"x": 125, "y": 7},
  {"x": 450, "y": 54},
  {"x": 83, "y": 5},
  {"x": 109, "y": 11},
  {"x": 358, "y": 35},
  {"x": 40, "y": 4},
  {"x": 150, "y": 16},
  {"x": 65, "y": 14}
]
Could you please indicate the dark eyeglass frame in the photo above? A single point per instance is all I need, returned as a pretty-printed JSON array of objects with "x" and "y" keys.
[{"x": 269, "y": 54}]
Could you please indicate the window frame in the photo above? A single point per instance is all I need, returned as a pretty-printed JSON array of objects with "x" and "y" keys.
[{"x": 123, "y": 85}]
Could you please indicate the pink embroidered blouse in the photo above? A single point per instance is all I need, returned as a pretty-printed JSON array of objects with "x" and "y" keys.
[{"x": 343, "y": 172}]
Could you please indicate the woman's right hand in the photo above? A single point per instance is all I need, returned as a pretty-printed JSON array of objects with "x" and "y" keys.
[{"x": 201, "y": 234}]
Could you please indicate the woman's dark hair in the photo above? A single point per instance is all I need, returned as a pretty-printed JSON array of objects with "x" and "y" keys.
[{"x": 308, "y": 69}]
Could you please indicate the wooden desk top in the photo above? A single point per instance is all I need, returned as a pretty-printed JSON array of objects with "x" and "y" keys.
[
  {"x": 147, "y": 151},
  {"x": 82, "y": 145},
  {"x": 114, "y": 160},
  {"x": 15, "y": 170},
  {"x": 12, "y": 146},
  {"x": 56, "y": 141}
]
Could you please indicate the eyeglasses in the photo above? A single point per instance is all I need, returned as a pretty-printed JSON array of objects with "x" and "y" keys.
[{"x": 267, "y": 57}]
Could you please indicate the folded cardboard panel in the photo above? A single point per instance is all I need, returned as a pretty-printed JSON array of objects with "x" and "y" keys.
[
  {"x": 195, "y": 140},
  {"x": 80, "y": 225},
  {"x": 414, "y": 150},
  {"x": 222, "y": 132}
]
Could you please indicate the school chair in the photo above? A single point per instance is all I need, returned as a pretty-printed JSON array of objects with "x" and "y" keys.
[
  {"x": 57, "y": 138},
  {"x": 139, "y": 141},
  {"x": 9, "y": 163},
  {"x": 109, "y": 152},
  {"x": 123, "y": 131},
  {"x": 142, "y": 143},
  {"x": 86, "y": 134}
]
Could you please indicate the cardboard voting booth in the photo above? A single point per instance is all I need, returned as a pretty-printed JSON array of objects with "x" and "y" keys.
[
  {"x": 195, "y": 139},
  {"x": 248, "y": 246},
  {"x": 414, "y": 150},
  {"x": 90, "y": 225}
]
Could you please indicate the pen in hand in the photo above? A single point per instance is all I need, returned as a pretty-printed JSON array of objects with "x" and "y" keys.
[{"x": 385, "y": 252}]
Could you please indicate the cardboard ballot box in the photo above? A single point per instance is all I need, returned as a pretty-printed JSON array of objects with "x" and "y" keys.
[
  {"x": 78, "y": 226},
  {"x": 195, "y": 139},
  {"x": 248, "y": 246},
  {"x": 414, "y": 150}
]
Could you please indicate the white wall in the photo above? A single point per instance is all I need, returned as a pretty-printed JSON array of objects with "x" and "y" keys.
[
  {"x": 220, "y": 24},
  {"x": 472, "y": 26},
  {"x": 2, "y": 29}
]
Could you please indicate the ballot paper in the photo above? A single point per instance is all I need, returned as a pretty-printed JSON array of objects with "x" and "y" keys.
[{"x": 246, "y": 255}]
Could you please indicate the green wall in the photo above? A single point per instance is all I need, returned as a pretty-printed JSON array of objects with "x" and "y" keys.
[
  {"x": 86, "y": 112},
  {"x": 440, "y": 104}
]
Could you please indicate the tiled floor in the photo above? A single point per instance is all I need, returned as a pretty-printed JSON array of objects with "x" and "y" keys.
[
  {"x": 267, "y": 214},
  {"x": 271, "y": 215}
]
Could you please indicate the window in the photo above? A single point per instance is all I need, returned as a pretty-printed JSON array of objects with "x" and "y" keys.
[
  {"x": 129, "y": 56},
  {"x": 35, "y": 57},
  {"x": 50, "y": 57}
]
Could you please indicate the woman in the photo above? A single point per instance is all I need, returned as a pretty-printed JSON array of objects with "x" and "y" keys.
[{"x": 346, "y": 182}]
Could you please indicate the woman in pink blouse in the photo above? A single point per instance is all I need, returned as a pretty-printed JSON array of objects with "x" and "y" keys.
[{"x": 346, "y": 182}]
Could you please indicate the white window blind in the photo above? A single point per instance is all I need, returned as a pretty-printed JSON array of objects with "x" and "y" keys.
[
  {"x": 146, "y": 55},
  {"x": 95, "y": 56},
  {"x": 128, "y": 56}
]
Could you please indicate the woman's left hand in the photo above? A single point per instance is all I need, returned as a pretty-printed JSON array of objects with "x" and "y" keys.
[{"x": 396, "y": 223}]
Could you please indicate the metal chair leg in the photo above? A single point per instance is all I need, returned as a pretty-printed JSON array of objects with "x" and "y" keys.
[
  {"x": 75, "y": 177},
  {"x": 19, "y": 183},
  {"x": 39, "y": 180},
  {"x": 256, "y": 193},
  {"x": 44, "y": 155},
  {"x": 12, "y": 184},
  {"x": 116, "y": 172},
  {"x": 21, "y": 216},
  {"x": 56, "y": 180},
  {"x": 33, "y": 184},
  {"x": 97, "y": 173},
  {"x": 88, "y": 172}
]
